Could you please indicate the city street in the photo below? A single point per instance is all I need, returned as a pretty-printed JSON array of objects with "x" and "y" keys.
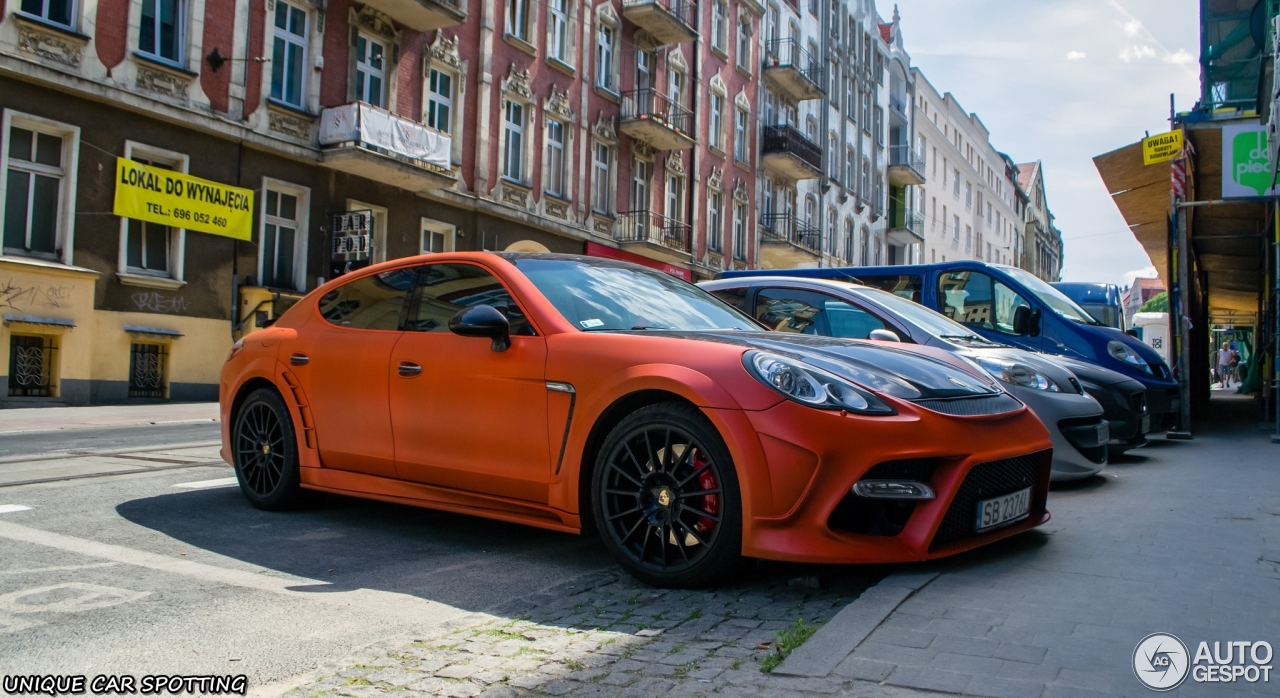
[{"x": 172, "y": 572}]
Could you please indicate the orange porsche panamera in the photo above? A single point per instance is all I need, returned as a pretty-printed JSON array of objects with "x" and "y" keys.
[{"x": 580, "y": 394}]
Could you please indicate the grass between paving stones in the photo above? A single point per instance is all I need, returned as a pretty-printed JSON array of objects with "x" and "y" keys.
[{"x": 788, "y": 640}]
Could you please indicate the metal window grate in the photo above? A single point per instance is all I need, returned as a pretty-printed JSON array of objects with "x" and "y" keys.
[
  {"x": 30, "y": 366},
  {"x": 147, "y": 369},
  {"x": 994, "y": 479}
]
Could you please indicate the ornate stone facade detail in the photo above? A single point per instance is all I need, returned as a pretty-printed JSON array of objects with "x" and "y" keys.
[
  {"x": 377, "y": 23},
  {"x": 602, "y": 225},
  {"x": 50, "y": 45},
  {"x": 607, "y": 13},
  {"x": 515, "y": 196},
  {"x": 642, "y": 149},
  {"x": 716, "y": 179},
  {"x": 290, "y": 125},
  {"x": 162, "y": 82},
  {"x": 558, "y": 103},
  {"x": 517, "y": 84},
  {"x": 558, "y": 209},
  {"x": 605, "y": 130},
  {"x": 445, "y": 50},
  {"x": 675, "y": 163},
  {"x": 676, "y": 59},
  {"x": 740, "y": 190},
  {"x": 715, "y": 261},
  {"x": 718, "y": 85}
]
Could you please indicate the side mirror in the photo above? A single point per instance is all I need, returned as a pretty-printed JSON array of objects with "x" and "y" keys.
[
  {"x": 1021, "y": 320},
  {"x": 884, "y": 336},
  {"x": 483, "y": 321}
]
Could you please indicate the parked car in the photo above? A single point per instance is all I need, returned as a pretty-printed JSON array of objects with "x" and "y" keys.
[
  {"x": 574, "y": 393},
  {"x": 1101, "y": 301},
  {"x": 1012, "y": 306},
  {"x": 839, "y": 309}
]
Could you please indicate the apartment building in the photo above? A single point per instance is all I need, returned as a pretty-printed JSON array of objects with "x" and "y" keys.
[
  {"x": 834, "y": 90},
  {"x": 971, "y": 207},
  {"x": 361, "y": 132},
  {"x": 1042, "y": 241}
]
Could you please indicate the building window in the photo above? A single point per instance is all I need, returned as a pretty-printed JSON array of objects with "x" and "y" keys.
[
  {"x": 151, "y": 249},
  {"x": 604, "y": 58},
  {"x": 148, "y": 367},
  {"x": 740, "y": 231},
  {"x": 160, "y": 35},
  {"x": 833, "y": 72},
  {"x": 513, "y": 142},
  {"x": 717, "y": 121},
  {"x": 675, "y": 86},
  {"x": 850, "y": 99},
  {"x": 518, "y": 19},
  {"x": 719, "y": 25},
  {"x": 810, "y": 210},
  {"x": 602, "y": 179},
  {"x": 715, "y": 221},
  {"x": 968, "y": 236},
  {"x": 850, "y": 165},
  {"x": 289, "y": 54},
  {"x": 847, "y": 248},
  {"x": 955, "y": 227},
  {"x": 866, "y": 112},
  {"x": 36, "y": 210},
  {"x": 830, "y": 241},
  {"x": 437, "y": 236},
  {"x": 283, "y": 250},
  {"x": 740, "y": 136},
  {"x": 555, "y": 158},
  {"x": 440, "y": 101},
  {"x": 31, "y": 362},
  {"x": 744, "y": 42},
  {"x": 864, "y": 189},
  {"x": 955, "y": 182},
  {"x": 558, "y": 18},
  {"x": 879, "y": 126},
  {"x": 57, "y": 11},
  {"x": 675, "y": 197},
  {"x": 813, "y": 7},
  {"x": 968, "y": 194},
  {"x": 640, "y": 175},
  {"x": 371, "y": 75},
  {"x": 833, "y": 159}
]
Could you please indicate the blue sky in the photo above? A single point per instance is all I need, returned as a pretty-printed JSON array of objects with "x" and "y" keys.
[{"x": 1062, "y": 81}]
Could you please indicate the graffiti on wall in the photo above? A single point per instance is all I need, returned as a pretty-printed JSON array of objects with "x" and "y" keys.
[
  {"x": 33, "y": 297},
  {"x": 153, "y": 302}
]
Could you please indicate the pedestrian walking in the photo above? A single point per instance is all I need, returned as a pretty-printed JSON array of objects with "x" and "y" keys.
[
  {"x": 1224, "y": 365},
  {"x": 1237, "y": 371}
]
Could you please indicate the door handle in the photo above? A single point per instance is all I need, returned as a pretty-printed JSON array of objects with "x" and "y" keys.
[
  {"x": 408, "y": 369},
  {"x": 299, "y": 359}
]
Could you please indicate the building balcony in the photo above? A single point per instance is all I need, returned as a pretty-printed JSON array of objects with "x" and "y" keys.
[
  {"x": 906, "y": 166},
  {"x": 906, "y": 227},
  {"x": 792, "y": 71},
  {"x": 786, "y": 242},
  {"x": 364, "y": 140},
  {"x": 421, "y": 15},
  {"x": 655, "y": 119},
  {"x": 667, "y": 21},
  {"x": 785, "y": 152},
  {"x": 653, "y": 235}
]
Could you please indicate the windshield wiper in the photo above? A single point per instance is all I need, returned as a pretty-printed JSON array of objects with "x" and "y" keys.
[
  {"x": 967, "y": 337},
  {"x": 649, "y": 327}
]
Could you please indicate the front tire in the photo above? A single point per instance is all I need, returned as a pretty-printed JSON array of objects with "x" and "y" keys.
[
  {"x": 265, "y": 449},
  {"x": 665, "y": 498}
]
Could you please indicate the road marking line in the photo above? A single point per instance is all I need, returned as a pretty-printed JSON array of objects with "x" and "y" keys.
[
  {"x": 385, "y": 602},
  {"x": 205, "y": 484},
  {"x": 10, "y": 508},
  {"x": 60, "y": 568}
]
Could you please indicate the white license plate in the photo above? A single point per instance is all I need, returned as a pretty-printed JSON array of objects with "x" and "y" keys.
[
  {"x": 1104, "y": 433},
  {"x": 1003, "y": 510},
  {"x": 1146, "y": 423}
]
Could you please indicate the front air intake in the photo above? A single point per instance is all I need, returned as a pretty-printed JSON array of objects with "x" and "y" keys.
[{"x": 971, "y": 406}]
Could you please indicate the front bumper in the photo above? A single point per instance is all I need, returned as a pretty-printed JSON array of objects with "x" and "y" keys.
[
  {"x": 1163, "y": 404},
  {"x": 1072, "y": 421},
  {"x": 814, "y": 457},
  {"x": 1126, "y": 411}
]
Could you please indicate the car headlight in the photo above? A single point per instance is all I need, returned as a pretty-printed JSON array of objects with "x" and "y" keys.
[
  {"x": 1018, "y": 374},
  {"x": 812, "y": 386},
  {"x": 1120, "y": 352}
]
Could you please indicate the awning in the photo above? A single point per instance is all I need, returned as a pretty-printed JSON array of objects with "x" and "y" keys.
[
  {"x": 34, "y": 320},
  {"x": 152, "y": 331}
]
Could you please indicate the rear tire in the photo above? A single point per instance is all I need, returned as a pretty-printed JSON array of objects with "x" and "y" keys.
[
  {"x": 665, "y": 498},
  {"x": 265, "y": 450}
]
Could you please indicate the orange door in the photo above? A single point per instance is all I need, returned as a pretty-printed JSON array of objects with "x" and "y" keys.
[
  {"x": 341, "y": 359},
  {"x": 464, "y": 416}
]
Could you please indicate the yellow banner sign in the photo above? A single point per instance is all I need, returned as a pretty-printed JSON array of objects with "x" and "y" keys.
[
  {"x": 171, "y": 198},
  {"x": 1161, "y": 148}
]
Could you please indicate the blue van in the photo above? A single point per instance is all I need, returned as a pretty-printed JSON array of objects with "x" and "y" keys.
[
  {"x": 1101, "y": 300},
  {"x": 1012, "y": 306}
]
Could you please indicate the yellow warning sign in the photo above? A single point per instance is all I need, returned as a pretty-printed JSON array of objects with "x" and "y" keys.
[
  {"x": 1161, "y": 148},
  {"x": 157, "y": 195}
]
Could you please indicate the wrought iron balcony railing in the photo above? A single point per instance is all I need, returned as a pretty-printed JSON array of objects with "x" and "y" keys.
[
  {"x": 794, "y": 69},
  {"x": 654, "y": 228},
  {"x": 785, "y": 138},
  {"x": 683, "y": 11},
  {"x": 906, "y": 219},
  {"x": 906, "y": 166},
  {"x": 784, "y": 227},
  {"x": 651, "y": 105}
]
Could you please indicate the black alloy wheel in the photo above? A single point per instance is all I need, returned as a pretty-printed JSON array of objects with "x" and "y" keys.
[
  {"x": 666, "y": 497},
  {"x": 265, "y": 450}
]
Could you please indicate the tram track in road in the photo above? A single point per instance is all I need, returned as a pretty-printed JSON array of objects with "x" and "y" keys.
[{"x": 36, "y": 457}]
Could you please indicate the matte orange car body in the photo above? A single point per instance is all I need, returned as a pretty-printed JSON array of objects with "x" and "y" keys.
[{"x": 527, "y": 459}]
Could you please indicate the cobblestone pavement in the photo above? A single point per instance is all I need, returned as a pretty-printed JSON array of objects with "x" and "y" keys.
[{"x": 609, "y": 635}]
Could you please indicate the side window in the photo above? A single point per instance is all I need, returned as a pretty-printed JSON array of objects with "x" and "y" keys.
[
  {"x": 445, "y": 289},
  {"x": 806, "y": 312},
  {"x": 904, "y": 285},
  {"x": 976, "y": 299},
  {"x": 376, "y": 302},
  {"x": 737, "y": 297}
]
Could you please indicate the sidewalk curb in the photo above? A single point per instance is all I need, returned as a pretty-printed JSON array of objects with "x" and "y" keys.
[{"x": 834, "y": 641}]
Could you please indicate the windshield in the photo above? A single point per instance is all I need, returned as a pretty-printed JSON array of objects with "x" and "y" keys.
[
  {"x": 1051, "y": 297},
  {"x": 936, "y": 324},
  {"x": 1106, "y": 314},
  {"x": 603, "y": 295}
]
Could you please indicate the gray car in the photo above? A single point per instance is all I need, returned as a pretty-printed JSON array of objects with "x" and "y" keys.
[{"x": 834, "y": 308}]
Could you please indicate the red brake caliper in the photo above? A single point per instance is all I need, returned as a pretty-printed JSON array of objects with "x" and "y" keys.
[{"x": 710, "y": 502}]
